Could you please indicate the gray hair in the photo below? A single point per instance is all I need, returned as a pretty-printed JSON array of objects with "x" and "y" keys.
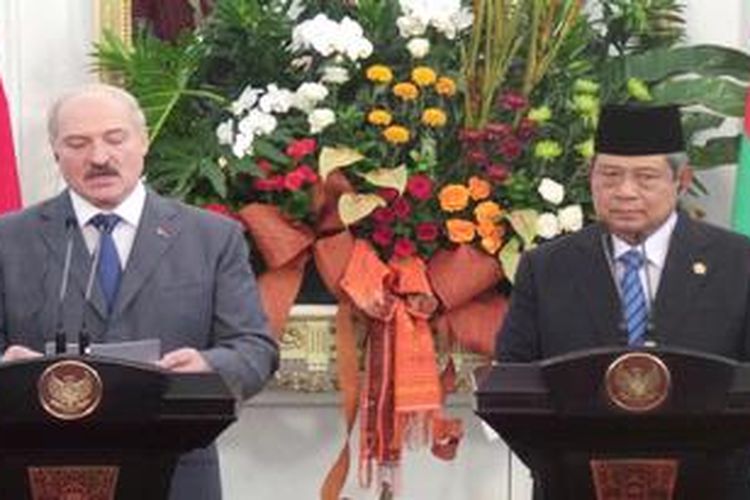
[
  {"x": 677, "y": 161},
  {"x": 117, "y": 93}
]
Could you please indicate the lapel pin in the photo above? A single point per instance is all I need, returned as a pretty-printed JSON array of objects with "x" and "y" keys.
[
  {"x": 699, "y": 268},
  {"x": 164, "y": 233}
]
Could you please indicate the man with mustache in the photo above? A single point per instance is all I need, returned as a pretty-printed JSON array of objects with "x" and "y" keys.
[
  {"x": 174, "y": 272},
  {"x": 644, "y": 274}
]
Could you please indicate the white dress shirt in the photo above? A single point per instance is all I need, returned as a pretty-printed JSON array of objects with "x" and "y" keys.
[
  {"x": 654, "y": 249},
  {"x": 130, "y": 211}
]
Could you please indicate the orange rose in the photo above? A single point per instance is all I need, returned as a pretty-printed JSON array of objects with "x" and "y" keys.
[
  {"x": 460, "y": 231},
  {"x": 479, "y": 188},
  {"x": 492, "y": 245},
  {"x": 453, "y": 197},
  {"x": 488, "y": 210}
]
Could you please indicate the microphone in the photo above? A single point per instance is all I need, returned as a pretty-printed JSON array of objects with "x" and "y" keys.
[
  {"x": 84, "y": 339},
  {"x": 61, "y": 338}
]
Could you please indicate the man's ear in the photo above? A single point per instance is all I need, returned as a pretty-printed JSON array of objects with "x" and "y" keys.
[{"x": 684, "y": 179}]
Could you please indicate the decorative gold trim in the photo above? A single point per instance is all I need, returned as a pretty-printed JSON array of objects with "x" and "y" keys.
[
  {"x": 114, "y": 16},
  {"x": 308, "y": 353}
]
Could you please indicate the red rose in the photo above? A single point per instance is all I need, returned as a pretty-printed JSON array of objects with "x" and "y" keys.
[
  {"x": 294, "y": 180},
  {"x": 383, "y": 215},
  {"x": 510, "y": 148},
  {"x": 513, "y": 101},
  {"x": 264, "y": 166},
  {"x": 269, "y": 184},
  {"x": 382, "y": 236},
  {"x": 427, "y": 231},
  {"x": 404, "y": 247},
  {"x": 219, "y": 209},
  {"x": 419, "y": 187},
  {"x": 402, "y": 208},
  {"x": 388, "y": 194},
  {"x": 497, "y": 172},
  {"x": 308, "y": 173},
  {"x": 301, "y": 148}
]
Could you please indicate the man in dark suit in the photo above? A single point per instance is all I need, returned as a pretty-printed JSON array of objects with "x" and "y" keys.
[
  {"x": 180, "y": 274},
  {"x": 645, "y": 273}
]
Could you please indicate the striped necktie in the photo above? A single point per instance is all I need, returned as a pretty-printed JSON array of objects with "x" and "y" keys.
[
  {"x": 109, "y": 270},
  {"x": 634, "y": 307}
]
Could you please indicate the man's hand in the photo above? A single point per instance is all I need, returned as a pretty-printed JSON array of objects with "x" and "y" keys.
[
  {"x": 184, "y": 360},
  {"x": 16, "y": 352}
]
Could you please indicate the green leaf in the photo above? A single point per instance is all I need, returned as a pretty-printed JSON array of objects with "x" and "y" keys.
[
  {"x": 716, "y": 152},
  {"x": 509, "y": 257},
  {"x": 216, "y": 178},
  {"x": 706, "y": 60},
  {"x": 719, "y": 95},
  {"x": 264, "y": 149},
  {"x": 524, "y": 224}
]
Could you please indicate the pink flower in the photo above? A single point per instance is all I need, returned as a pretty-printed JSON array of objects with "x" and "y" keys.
[
  {"x": 526, "y": 129},
  {"x": 476, "y": 156},
  {"x": 427, "y": 231},
  {"x": 383, "y": 215},
  {"x": 301, "y": 148},
  {"x": 419, "y": 187},
  {"x": 496, "y": 131},
  {"x": 294, "y": 180},
  {"x": 404, "y": 247},
  {"x": 264, "y": 166},
  {"x": 382, "y": 236},
  {"x": 402, "y": 208},
  {"x": 471, "y": 135},
  {"x": 513, "y": 101}
]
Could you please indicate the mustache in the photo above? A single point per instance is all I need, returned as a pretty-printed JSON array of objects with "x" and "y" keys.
[{"x": 100, "y": 170}]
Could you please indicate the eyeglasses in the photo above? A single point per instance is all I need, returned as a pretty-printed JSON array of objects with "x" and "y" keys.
[{"x": 646, "y": 179}]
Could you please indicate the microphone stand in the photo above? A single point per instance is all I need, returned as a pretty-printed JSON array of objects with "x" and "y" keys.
[{"x": 61, "y": 338}]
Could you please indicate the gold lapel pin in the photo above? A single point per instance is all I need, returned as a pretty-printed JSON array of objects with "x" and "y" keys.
[
  {"x": 699, "y": 268},
  {"x": 162, "y": 232}
]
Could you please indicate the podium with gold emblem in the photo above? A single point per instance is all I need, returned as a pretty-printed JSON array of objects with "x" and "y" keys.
[
  {"x": 612, "y": 424},
  {"x": 101, "y": 429}
]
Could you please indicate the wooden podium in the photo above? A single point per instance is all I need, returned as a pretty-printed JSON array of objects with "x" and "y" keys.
[
  {"x": 618, "y": 424},
  {"x": 101, "y": 429}
]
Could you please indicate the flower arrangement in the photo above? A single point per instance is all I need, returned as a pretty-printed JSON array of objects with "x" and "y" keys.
[{"x": 402, "y": 145}]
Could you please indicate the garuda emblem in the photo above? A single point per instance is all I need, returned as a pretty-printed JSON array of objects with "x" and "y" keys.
[
  {"x": 637, "y": 382},
  {"x": 69, "y": 389}
]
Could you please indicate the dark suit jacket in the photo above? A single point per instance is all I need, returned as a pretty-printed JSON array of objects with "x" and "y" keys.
[
  {"x": 565, "y": 298},
  {"x": 187, "y": 282}
]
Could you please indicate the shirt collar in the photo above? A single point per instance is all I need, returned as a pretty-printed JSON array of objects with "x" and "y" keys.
[
  {"x": 654, "y": 247},
  {"x": 129, "y": 210}
]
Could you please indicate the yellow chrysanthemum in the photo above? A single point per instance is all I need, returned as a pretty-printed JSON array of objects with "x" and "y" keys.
[
  {"x": 379, "y": 117},
  {"x": 423, "y": 76},
  {"x": 379, "y": 73},
  {"x": 396, "y": 134},
  {"x": 445, "y": 86},
  {"x": 406, "y": 91},
  {"x": 434, "y": 117}
]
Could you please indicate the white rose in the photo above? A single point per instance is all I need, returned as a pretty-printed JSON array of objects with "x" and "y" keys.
[
  {"x": 551, "y": 191},
  {"x": 418, "y": 47},
  {"x": 320, "y": 118},
  {"x": 547, "y": 226},
  {"x": 570, "y": 218},
  {"x": 335, "y": 75},
  {"x": 225, "y": 132}
]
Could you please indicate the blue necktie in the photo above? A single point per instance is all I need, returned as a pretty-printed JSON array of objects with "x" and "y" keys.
[
  {"x": 108, "y": 271},
  {"x": 634, "y": 307}
]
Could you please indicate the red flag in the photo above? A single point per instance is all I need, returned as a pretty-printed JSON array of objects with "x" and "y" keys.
[{"x": 10, "y": 191}]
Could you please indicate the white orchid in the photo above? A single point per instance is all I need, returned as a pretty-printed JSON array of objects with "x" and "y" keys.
[
  {"x": 243, "y": 145},
  {"x": 446, "y": 16},
  {"x": 225, "y": 132},
  {"x": 335, "y": 75},
  {"x": 551, "y": 191},
  {"x": 247, "y": 99},
  {"x": 276, "y": 100},
  {"x": 308, "y": 95},
  {"x": 328, "y": 37},
  {"x": 320, "y": 118}
]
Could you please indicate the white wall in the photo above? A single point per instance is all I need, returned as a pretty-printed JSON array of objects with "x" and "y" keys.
[{"x": 281, "y": 447}]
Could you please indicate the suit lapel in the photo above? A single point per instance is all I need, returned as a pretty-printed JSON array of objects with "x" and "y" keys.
[
  {"x": 595, "y": 282},
  {"x": 54, "y": 215},
  {"x": 679, "y": 284},
  {"x": 157, "y": 229}
]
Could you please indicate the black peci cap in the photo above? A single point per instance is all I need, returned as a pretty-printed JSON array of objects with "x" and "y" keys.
[{"x": 631, "y": 130}]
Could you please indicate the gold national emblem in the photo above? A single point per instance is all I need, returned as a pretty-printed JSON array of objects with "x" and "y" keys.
[
  {"x": 69, "y": 389},
  {"x": 637, "y": 382}
]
